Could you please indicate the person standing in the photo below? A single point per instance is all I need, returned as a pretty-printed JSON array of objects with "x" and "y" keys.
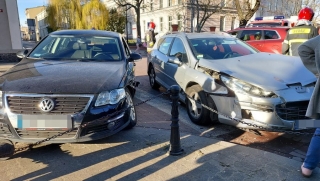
[
  {"x": 309, "y": 53},
  {"x": 150, "y": 38},
  {"x": 301, "y": 32},
  {"x": 138, "y": 44}
]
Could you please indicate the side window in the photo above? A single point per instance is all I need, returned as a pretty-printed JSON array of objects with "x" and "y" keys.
[
  {"x": 165, "y": 45},
  {"x": 249, "y": 35},
  {"x": 270, "y": 34},
  {"x": 178, "y": 50}
]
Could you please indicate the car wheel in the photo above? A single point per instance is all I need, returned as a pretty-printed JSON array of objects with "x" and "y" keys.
[
  {"x": 131, "y": 113},
  {"x": 196, "y": 112},
  {"x": 152, "y": 79}
]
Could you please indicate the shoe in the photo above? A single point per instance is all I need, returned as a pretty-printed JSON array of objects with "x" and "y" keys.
[{"x": 305, "y": 171}]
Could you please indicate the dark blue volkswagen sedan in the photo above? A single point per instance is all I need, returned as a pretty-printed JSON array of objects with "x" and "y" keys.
[{"x": 71, "y": 78}]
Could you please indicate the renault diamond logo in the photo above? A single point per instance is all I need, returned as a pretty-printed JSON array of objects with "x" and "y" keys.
[{"x": 46, "y": 104}]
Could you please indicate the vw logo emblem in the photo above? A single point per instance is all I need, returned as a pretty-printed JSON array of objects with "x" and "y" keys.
[{"x": 46, "y": 104}]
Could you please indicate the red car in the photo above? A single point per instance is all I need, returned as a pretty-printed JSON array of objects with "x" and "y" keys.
[{"x": 265, "y": 39}]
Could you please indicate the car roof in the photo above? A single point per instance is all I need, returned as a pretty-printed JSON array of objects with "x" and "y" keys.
[
  {"x": 281, "y": 28},
  {"x": 86, "y": 32},
  {"x": 202, "y": 35}
]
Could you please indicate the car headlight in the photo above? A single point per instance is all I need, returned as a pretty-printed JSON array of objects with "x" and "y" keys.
[
  {"x": 110, "y": 97},
  {"x": 245, "y": 88}
]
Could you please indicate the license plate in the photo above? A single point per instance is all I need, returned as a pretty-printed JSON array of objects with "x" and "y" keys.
[{"x": 44, "y": 122}]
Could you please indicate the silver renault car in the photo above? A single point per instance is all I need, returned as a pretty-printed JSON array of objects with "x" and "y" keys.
[{"x": 244, "y": 85}]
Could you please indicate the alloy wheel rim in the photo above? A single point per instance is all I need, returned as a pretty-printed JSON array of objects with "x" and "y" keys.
[{"x": 130, "y": 103}]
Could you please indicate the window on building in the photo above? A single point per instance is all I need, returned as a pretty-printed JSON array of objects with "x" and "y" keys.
[
  {"x": 160, "y": 4},
  {"x": 233, "y": 21},
  {"x": 222, "y": 21},
  {"x": 179, "y": 22},
  {"x": 161, "y": 24},
  {"x": 151, "y": 5},
  {"x": 142, "y": 7},
  {"x": 179, "y": 2},
  {"x": 173, "y": 2},
  {"x": 223, "y": 3},
  {"x": 144, "y": 25},
  {"x": 170, "y": 23},
  {"x": 270, "y": 5},
  {"x": 169, "y": 2}
]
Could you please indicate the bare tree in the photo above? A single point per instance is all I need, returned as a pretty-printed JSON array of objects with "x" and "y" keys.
[
  {"x": 136, "y": 5},
  {"x": 281, "y": 7},
  {"x": 203, "y": 10},
  {"x": 246, "y": 10},
  {"x": 314, "y": 5}
]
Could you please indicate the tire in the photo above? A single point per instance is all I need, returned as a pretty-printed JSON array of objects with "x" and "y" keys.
[
  {"x": 131, "y": 113},
  {"x": 197, "y": 114},
  {"x": 6, "y": 149},
  {"x": 152, "y": 79}
]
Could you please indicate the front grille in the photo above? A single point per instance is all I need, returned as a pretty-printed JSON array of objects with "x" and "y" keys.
[
  {"x": 44, "y": 134},
  {"x": 63, "y": 105},
  {"x": 292, "y": 110}
]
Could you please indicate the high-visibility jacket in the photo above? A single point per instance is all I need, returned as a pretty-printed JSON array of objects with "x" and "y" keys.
[
  {"x": 295, "y": 37},
  {"x": 150, "y": 39}
]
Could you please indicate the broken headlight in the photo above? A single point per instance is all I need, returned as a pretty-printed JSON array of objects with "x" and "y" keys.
[{"x": 239, "y": 86}]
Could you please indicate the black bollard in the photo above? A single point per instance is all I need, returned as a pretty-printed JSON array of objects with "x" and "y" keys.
[{"x": 175, "y": 148}]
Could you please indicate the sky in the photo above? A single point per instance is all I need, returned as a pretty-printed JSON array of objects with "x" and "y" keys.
[{"x": 24, "y": 4}]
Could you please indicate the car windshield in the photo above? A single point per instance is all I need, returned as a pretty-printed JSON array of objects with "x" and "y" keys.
[
  {"x": 78, "y": 47},
  {"x": 219, "y": 48}
]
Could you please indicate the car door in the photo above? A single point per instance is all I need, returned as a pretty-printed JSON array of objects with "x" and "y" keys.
[
  {"x": 160, "y": 58},
  {"x": 175, "y": 72}
]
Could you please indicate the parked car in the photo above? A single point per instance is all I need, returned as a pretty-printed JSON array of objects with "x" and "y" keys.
[
  {"x": 71, "y": 78},
  {"x": 226, "y": 74},
  {"x": 265, "y": 39}
]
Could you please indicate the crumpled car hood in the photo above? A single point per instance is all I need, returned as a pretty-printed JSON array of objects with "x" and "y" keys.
[
  {"x": 59, "y": 77},
  {"x": 268, "y": 71}
]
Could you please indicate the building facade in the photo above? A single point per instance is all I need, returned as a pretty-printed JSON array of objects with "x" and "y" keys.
[
  {"x": 41, "y": 25},
  {"x": 31, "y": 14},
  {"x": 10, "y": 35},
  {"x": 164, "y": 13}
]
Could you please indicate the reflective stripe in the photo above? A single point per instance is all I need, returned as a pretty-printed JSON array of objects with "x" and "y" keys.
[
  {"x": 300, "y": 31},
  {"x": 297, "y": 41}
]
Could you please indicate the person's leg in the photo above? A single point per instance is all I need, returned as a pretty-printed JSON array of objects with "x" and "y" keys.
[
  {"x": 313, "y": 155},
  {"x": 136, "y": 51}
]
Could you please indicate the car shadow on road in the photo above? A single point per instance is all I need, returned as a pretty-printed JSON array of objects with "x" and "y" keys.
[{"x": 128, "y": 155}]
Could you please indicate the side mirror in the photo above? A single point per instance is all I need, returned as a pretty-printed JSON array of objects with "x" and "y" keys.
[
  {"x": 21, "y": 54},
  {"x": 135, "y": 57},
  {"x": 175, "y": 60}
]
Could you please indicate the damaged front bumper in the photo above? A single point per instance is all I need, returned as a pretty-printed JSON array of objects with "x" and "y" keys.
[{"x": 285, "y": 112}]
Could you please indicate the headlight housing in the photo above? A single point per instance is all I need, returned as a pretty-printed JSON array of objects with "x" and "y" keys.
[
  {"x": 245, "y": 88},
  {"x": 110, "y": 97}
]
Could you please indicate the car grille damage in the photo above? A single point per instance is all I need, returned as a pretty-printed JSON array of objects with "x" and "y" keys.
[
  {"x": 292, "y": 110},
  {"x": 30, "y": 105}
]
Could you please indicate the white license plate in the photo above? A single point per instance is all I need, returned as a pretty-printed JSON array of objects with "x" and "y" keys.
[{"x": 44, "y": 122}]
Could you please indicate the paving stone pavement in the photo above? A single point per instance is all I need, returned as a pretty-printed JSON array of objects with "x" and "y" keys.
[{"x": 142, "y": 154}]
